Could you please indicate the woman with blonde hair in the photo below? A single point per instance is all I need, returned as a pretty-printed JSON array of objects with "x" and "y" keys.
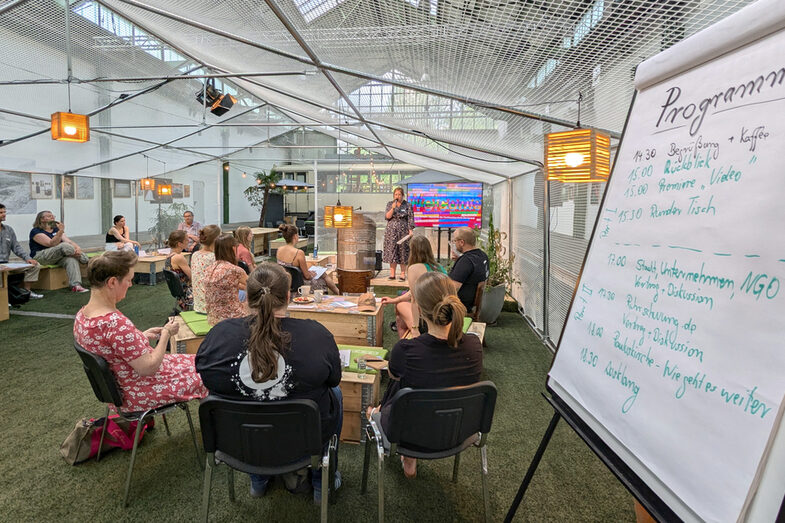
[
  {"x": 242, "y": 250},
  {"x": 223, "y": 282},
  {"x": 267, "y": 356},
  {"x": 421, "y": 261},
  {"x": 200, "y": 261},
  {"x": 443, "y": 357},
  {"x": 148, "y": 377}
]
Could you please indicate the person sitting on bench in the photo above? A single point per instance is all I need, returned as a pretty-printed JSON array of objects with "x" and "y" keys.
[
  {"x": 120, "y": 236},
  {"x": 8, "y": 244},
  {"x": 50, "y": 246}
]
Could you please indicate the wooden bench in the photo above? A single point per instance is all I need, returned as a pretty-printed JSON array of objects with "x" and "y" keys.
[
  {"x": 359, "y": 392},
  {"x": 186, "y": 341},
  {"x": 51, "y": 278}
]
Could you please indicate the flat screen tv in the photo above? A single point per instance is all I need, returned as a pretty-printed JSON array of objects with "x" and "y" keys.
[{"x": 446, "y": 204}]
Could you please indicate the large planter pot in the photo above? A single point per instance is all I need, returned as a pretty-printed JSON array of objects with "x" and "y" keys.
[{"x": 492, "y": 303}]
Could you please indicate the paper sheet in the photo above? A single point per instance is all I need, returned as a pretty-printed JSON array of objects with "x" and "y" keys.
[
  {"x": 15, "y": 265},
  {"x": 405, "y": 238},
  {"x": 318, "y": 270}
]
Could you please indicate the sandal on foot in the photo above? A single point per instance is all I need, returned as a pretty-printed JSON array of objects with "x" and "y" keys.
[
  {"x": 402, "y": 278},
  {"x": 391, "y": 278}
]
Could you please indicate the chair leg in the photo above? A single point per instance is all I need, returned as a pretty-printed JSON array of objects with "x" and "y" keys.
[
  {"x": 455, "y": 467},
  {"x": 484, "y": 468},
  {"x": 139, "y": 425},
  {"x": 103, "y": 433},
  {"x": 193, "y": 435},
  {"x": 325, "y": 487},
  {"x": 230, "y": 481},
  {"x": 166, "y": 425},
  {"x": 380, "y": 481},
  {"x": 366, "y": 462},
  {"x": 208, "y": 476}
]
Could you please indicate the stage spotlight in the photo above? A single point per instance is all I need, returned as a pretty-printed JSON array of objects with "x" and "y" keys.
[
  {"x": 209, "y": 92},
  {"x": 223, "y": 104}
]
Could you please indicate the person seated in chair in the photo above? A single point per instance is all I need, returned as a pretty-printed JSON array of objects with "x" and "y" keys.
[
  {"x": 200, "y": 261},
  {"x": 177, "y": 263},
  {"x": 50, "y": 246},
  {"x": 147, "y": 376},
  {"x": 242, "y": 250},
  {"x": 267, "y": 356},
  {"x": 443, "y": 357},
  {"x": 224, "y": 284},
  {"x": 421, "y": 261},
  {"x": 9, "y": 244},
  {"x": 291, "y": 256},
  {"x": 120, "y": 236},
  {"x": 470, "y": 267}
]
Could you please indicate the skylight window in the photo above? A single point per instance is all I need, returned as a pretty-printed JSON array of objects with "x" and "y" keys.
[
  {"x": 547, "y": 68},
  {"x": 587, "y": 22},
  {"x": 313, "y": 9}
]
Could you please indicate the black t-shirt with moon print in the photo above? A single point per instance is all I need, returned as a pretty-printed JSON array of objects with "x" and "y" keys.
[{"x": 307, "y": 370}]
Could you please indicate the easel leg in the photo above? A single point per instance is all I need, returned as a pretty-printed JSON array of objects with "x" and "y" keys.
[{"x": 532, "y": 467}]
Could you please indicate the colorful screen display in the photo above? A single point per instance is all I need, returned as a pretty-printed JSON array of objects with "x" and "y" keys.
[{"x": 446, "y": 204}]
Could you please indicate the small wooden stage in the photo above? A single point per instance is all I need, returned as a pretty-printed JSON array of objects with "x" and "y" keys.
[{"x": 382, "y": 280}]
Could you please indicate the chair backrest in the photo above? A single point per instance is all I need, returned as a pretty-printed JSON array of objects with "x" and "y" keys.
[
  {"x": 244, "y": 266},
  {"x": 440, "y": 419},
  {"x": 475, "y": 314},
  {"x": 101, "y": 378},
  {"x": 297, "y": 277},
  {"x": 261, "y": 434},
  {"x": 174, "y": 284}
]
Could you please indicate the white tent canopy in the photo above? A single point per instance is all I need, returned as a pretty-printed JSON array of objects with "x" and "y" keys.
[{"x": 467, "y": 88}]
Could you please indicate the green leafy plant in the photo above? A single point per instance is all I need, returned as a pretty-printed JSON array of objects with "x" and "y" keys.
[
  {"x": 500, "y": 266},
  {"x": 259, "y": 193},
  {"x": 166, "y": 220}
]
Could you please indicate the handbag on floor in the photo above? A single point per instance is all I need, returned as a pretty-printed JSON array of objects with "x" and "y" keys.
[{"x": 82, "y": 443}]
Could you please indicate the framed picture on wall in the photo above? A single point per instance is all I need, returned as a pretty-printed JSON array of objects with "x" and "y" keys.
[
  {"x": 186, "y": 191},
  {"x": 42, "y": 186},
  {"x": 15, "y": 193},
  {"x": 122, "y": 189},
  {"x": 85, "y": 188},
  {"x": 177, "y": 190},
  {"x": 69, "y": 189}
]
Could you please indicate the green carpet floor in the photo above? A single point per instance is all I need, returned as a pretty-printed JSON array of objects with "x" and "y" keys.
[{"x": 44, "y": 391}]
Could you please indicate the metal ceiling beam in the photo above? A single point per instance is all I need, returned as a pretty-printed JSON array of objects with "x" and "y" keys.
[
  {"x": 360, "y": 74},
  {"x": 317, "y": 61},
  {"x": 383, "y": 125},
  {"x": 10, "y": 5},
  {"x": 260, "y": 124},
  {"x": 46, "y": 81},
  {"x": 165, "y": 144}
]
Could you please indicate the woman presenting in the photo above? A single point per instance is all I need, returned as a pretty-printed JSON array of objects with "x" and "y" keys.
[{"x": 400, "y": 222}]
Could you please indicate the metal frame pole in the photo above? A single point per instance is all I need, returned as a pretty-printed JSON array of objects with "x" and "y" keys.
[{"x": 546, "y": 253}]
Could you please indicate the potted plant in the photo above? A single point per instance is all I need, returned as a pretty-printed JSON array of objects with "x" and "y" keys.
[
  {"x": 501, "y": 276},
  {"x": 259, "y": 193}
]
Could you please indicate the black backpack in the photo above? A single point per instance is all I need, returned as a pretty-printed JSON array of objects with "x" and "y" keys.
[{"x": 18, "y": 295}]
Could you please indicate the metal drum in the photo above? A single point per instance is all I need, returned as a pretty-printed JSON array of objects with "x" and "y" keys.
[{"x": 356, "y": 254}]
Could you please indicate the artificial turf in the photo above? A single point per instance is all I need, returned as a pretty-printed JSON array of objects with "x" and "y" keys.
[{"x": 44, "y": 391}]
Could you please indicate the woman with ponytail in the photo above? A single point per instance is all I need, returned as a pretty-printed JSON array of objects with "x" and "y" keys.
[
  {"x": 443, "y": 357},
  {"x": 267, "y": 356}
]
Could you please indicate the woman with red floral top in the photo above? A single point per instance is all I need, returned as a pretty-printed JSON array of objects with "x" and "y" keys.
[{"x": 147, "y": 377}]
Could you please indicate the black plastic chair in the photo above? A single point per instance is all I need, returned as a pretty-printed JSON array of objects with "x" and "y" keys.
[
  {"x": 175, "y": 288},
  {"x": 106, "y": 390},
  {"x": 244, "y": 266},
  {"x": 433, "y": 424},
  {"x": 269, "y": 438},
  {"x": 297, "y": 277}
]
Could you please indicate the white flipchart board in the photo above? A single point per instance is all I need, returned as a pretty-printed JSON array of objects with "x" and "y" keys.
[{"x": 674, "y": 348}]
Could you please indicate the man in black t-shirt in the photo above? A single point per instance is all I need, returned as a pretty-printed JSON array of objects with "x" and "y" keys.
[{"x": 471, "y": 268}]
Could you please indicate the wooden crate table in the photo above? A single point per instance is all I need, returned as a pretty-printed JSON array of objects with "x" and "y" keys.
[
  {"x": 4, "y": 294},
  {"x": 323, "y": 259},
  {"x": 347, "y": 324},
  {"x": 148, "y": 267},
  {"x": 186, "y": 341},
  {"x": 260, "y": 239},
  {"x": 359, "y": 392},
  {"x": 280, "y": 242}
]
